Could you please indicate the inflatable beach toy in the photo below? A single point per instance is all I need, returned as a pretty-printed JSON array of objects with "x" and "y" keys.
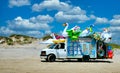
[
  {"x": 64, "y": 33},
  {"x": 101, "y": 52},
  {"x": 96, "y": 36},
  {"x": 110, "y": 54},
  {"x": 106, "y": 36},
  {"x": 59, "y": 41},
  {"x": 74, "y": 35}
]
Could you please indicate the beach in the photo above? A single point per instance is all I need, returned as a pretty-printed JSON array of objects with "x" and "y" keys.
[{"x": 26, "y": 59}]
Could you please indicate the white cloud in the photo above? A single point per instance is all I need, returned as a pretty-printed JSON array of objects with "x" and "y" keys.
[
  {"x": 115, "y": 21},
  {"x": 18, "y": 3},
  {"x": 115, "y": 28},
  {"x": 74, "y": 14},
  {"x": 101, "y": 20},
  {"x": 115, "y": 24},
  {"x": 93, "y": 17},
  {"x": 6, "y": 31},
  {"x": 42, "y": 19},
  {"x": 115, "y": 35},
  {"x": 34, "y": 26},
  {"x": 68, "y": 1},
  {"x": 51, "y": 5},
  {"x": 116, "y": 16},
  {"x": 64, "y": 17},
  {"x": 47, "y": 32},
  {"x": 66, "y": 12},
  {"x": 33, "y": 23},
  {"x": 76, "y": 11}
]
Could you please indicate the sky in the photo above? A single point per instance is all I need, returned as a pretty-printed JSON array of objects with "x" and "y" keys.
[{"x": 39, "y": 17}]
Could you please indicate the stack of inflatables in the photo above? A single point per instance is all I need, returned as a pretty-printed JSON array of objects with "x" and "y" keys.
[
  {"x": 76, "y": 32},
  {"x": 110, "y": 52}
]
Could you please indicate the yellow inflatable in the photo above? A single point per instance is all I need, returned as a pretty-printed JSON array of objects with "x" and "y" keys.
[{"x": 59, "y": 41}]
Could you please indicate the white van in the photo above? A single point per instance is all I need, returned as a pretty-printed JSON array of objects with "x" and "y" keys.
[{"x": 83, "y": 49}]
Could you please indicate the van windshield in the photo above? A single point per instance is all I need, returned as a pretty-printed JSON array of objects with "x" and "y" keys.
[{"x": 52, "y": 46}]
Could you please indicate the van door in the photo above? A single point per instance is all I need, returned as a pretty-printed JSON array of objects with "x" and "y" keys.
[
  {"x": 85, "y": 47},
  {"x": 60, "y": 49}
]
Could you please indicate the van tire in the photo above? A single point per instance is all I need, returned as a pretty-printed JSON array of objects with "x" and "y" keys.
[
  {"x": 46, "y": 59},
  {"x": 86, "y": 58},
  {"x": 80, "y": 60},
  {"x": 51, "y": 58}
]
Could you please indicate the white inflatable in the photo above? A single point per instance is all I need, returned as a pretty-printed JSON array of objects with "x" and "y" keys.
[
  {"x": 106, "y": 35},
  {"x": 84, "y": 32},
  {"x": 53, "y": 36},
  {"x": 65, "y": 34}
]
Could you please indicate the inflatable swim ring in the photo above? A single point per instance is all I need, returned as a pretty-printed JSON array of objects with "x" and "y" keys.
[
  {"x": 59, "y": 41},
  {"x": 101, "y": 52}
]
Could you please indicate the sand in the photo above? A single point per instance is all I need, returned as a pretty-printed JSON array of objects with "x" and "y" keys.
[{"x": 26, "y": 59}]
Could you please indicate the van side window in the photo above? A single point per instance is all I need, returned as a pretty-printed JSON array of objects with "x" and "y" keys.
[
  {"x": 62, "y": 45},
  {"x": 57, "y": 46}
]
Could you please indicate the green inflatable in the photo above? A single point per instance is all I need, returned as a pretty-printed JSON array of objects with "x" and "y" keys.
[{"x": 73, "y": 35}]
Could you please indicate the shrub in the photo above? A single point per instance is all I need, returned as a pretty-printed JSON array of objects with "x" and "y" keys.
[
  {"x": 46, "y": 37},
  {"x": 115, "y": 46},
  {"x": 9, "y": 41}
]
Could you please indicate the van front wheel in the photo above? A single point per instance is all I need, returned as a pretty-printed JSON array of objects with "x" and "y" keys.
[{"x": 51, "y": 58}]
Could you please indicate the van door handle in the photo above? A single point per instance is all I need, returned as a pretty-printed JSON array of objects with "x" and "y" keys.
[{"x": 64, "y": 49}]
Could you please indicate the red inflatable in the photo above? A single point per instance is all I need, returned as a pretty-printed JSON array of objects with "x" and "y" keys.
[{"x": 110, "y": 54}]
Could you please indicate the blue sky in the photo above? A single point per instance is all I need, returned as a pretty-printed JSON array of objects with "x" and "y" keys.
[{"x": 39, "y": 17}]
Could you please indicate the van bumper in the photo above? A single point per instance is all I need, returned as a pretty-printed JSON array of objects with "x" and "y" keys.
[{"x": 43, "y": 57}]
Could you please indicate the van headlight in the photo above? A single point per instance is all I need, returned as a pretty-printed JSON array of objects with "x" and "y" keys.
[{"x": 43, "y": 53}]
